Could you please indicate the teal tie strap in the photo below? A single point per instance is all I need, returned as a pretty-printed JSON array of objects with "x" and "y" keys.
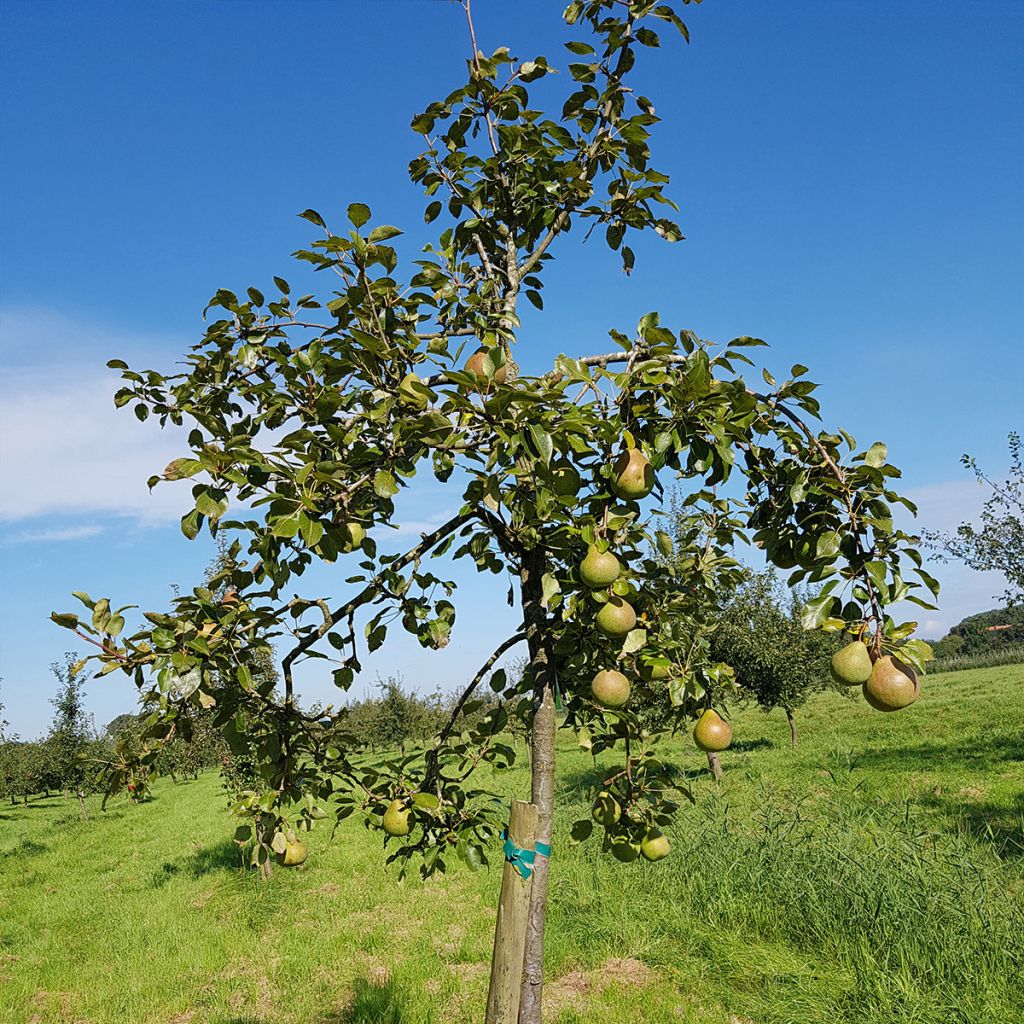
[{"x": 523, "y": 860}]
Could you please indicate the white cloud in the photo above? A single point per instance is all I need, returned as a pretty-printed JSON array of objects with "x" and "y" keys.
[
  {"x": 55, "y": 534},
  {"x": 64, "y": 448}
]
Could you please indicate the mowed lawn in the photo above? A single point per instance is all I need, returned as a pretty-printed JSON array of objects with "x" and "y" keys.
[{"x": 872, "y": 875}]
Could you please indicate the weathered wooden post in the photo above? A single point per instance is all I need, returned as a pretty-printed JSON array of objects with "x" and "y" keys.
[{"x": 513, "y": 912}]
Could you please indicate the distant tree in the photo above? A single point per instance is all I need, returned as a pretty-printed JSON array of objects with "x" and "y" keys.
[
  {"x": 72, "y": 732},
  {"x": 3, "y": 722},
  {"x": 997, "y": 543},
  {"x": 983, "y": 633},
  {"x": 776, "y": 661}
]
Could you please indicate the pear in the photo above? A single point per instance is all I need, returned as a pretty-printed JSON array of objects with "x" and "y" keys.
[
  {"x": 632, "y": 475},
  {"x": 606, "y": 810},
  {"x": 352, "y": 535},
  {"x": 616, "y": 617},
  {"x": 565, "y": 479},
  {"x": 892, "y": 685},
  {"x": 852, "y": 665},
  {"x": 712, "y": 732},
  {"x": 475, "y": 366},
  {"x": 295, "y": 853},
  {"x": 396, "y": 819},
  {"x": 625, "y": 850},
  {"x": 599, "y": 568},
  {"x": 413, "y": 392},
  {"x": 651, "y": 671},
  {"x": 610, "y": 688},
  {"x": 655, "y": 845}
]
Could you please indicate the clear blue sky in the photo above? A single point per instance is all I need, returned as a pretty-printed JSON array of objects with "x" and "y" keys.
[{"x": 849, "y": 177}]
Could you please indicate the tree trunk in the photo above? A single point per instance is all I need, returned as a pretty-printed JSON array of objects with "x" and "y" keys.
[
  {"x": 715, "y": 764},
  {"x": 543, "y": 779},
  {"x": 792, "y": 727},
  {"x": 81, "y": 803}
]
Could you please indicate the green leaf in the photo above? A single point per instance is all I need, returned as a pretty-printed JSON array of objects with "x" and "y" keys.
[
  {"x": 828, "y": 545},
  {"x": 816, "y": 611},
  {"x": 877, "y": 455},
  {"x": 542, "y": 443},
  {"x": 384, "y": 485},
  {"x": 358, "y": 214},
  {"x": 549, "y": 587},
  {"x": 314, "y": 218},
  {"x": 67, "y": 620},
  {"x": 191, "y": 523}
]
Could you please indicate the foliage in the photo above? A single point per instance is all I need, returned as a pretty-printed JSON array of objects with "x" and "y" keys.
[
  {"x": 997, "y": 543},
  {"x": 776, "y": 661},
  {"x": 984, "y": 632},
  {"x": 1008, "y": 655},
  {"x": 314, "y": 414},
  {"x": 72, "y": 736}
]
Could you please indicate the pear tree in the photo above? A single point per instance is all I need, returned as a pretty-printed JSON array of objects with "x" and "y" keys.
[{"x": 305, "y": 420}]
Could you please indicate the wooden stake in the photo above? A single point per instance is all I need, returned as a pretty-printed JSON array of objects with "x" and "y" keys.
[{"x": 510, "y": 929}]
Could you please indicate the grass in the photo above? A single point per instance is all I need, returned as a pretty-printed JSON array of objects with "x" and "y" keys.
[{"x": 875, "y": 874}]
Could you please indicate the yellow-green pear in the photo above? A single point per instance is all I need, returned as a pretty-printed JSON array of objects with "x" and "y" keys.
[
  {"x": 599, "y": 569},
  {"x": 413, "y": 392},
  {"x": 352, "y": 535},
  {"x": 655, "y": 845},
  {"x": 651, "y": 671},
  {"x": 851, "y": 666},
  {"x": 892, "y": 685},
  {"x": 396, "y": 819},
  {"x": 606, "y": 810},
  {"x": 295, "y": 853},
  {"x": 610, "y": 688},
  {"x": 616, "y": 617},
  {"x": 712, "y": 732},
  {"x": 624, "y": 849},
  {"x": 475, "y": 366},
  {"x": 632, "y": 475}
]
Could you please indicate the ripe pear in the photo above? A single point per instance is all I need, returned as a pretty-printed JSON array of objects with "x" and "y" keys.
[
  {"x": 624, "y": 849},
  {"x": 616, "y": 617},
  {"x": 712, "y": 732},
  {"x": 606, "y": 810},
  {"x": 295, "y": 853},
  {"x": 852, "y": 665},
  {"x": 655, "y": 845},
  {"x": 352, "y": 535},
  {"x": 565, "y": 479},
  {"x": 412, "y": 392},
  {"x": 610, "y": 688},
  {"x": 632, "y": 475},
  {"x": 599, "y": 568},
  {"x": 396, "y": 819},
  {"x": 892, "y": 685},
  {"x": 475, "y": 366},
  {"x": 651, "y": 671}
]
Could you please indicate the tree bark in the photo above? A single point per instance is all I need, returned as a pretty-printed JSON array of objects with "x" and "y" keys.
[
  {"x": 81, "y": 803},
  {"x": 792, "y": 727},
  {"x": 542, "y": 746},
  {"x": 715, "y": 764}
]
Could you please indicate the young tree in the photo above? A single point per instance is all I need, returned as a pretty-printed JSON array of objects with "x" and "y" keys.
[
  {"x": 997, "y": 544},
  {"x": 314, "y": 416},
  {"x": 71, "y": 732}
]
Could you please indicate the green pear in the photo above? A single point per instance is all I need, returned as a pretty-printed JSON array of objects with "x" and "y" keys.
[
  {"x": 632, "y": 475},
  {"x": 712, "y": 732},
  {"x": 606, "y": 810},
  {"x": 599, "y": 568},
  {"x": 655, "y": 845},
  {"x": 396, "y": 819},
  {"x": 610, "y": 688},
  {"x": 565, "y": 479},
  {"x": 352, "y": 535},
  {"x": 892, "y": 685},
  {"x": 852, "y": 665},
  {"x": 616, "y": 617}
]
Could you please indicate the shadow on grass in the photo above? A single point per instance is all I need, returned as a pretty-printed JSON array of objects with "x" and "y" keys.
[
  {"x": 745, "y": 746},
  {"x": 999, "y": 825},
  {"x": 222, "y": 856},
  {"x": 965, "y": 753},
  {"x": 379, "y": 1003}
]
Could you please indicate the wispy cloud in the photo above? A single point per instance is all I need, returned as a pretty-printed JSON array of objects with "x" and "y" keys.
[{"x": 55, "y": 535}]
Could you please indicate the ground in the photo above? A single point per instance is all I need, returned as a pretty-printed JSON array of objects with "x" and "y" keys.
[{"x": 875, "y": 874}]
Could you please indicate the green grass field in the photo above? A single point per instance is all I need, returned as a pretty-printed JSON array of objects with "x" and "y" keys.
[{"x": 872, "y": 875}]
